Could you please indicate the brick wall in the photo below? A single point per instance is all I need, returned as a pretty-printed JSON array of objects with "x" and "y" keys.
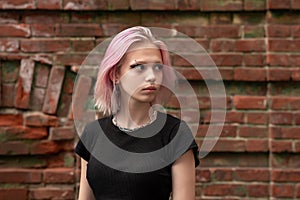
[{"x": 255, "y": 44}]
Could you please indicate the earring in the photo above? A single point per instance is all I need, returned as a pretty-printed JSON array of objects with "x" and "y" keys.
[{"x": 115, "y": 98}]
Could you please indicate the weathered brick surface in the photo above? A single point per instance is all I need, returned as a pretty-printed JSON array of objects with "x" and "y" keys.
[{"x": 255, "y": 45}]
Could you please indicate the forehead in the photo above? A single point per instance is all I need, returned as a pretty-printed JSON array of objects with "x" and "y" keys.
[{"x": 144, "y": 52}]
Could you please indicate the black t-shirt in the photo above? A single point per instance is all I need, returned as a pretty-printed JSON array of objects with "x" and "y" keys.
[{"x": 134, "y": 165}]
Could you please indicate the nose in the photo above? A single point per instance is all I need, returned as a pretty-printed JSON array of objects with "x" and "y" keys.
[{"x": 150, "y": 76}]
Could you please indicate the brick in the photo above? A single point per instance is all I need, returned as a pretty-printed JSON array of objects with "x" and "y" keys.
[
  {"x": 283, "y": 191},
  {"x": 257, "y": 5},
  {"x": 15, "y": 30},
  {"x": 221, "y": 45},
  {"x": 225, "y": 190},
  {"x": 279, "y": 4},
  {"x": 258, "y": 190},
  {"x": 12, "y": 175},
  {"x": 279, "y": 74},
  {"x": 188, "y": 5},
  {"x": 278, "y": 30},
  {"x": 69, "y": 82},
  {"x": 62, "y": 133},
  {"x": 11, "y": 119},
  {"x": 203, "y": 175},
  {"x": 257, "y": 145},
  {"x": 153, "y": 5},
  {"x": 40, "y": 119},
  {"x": 295, "y": 74},
  {"x": 49, "y": 5},
  {"x": 249, "y": 18},
  {"x": 249, "y": 74},
  {"x": 284, "y": 45},
  {"x": 10, "y": 71},
  {"x": 220, "y": 18},
  {"x": 227, "y": 145},
  {"x": 295, "y": 31},
  {"x": 297, "y": 118},
  {"x": 222, "y": 174},
  {"x": 52, "y": 192},
  {"x": 285, "y": 176},
  {"x": 83, "y": 45},
  {"x": 37, "y": 99},
  {"x": 294, "y": 59},
  {"x": 54, "y": 89},
  {"x": 285, "y": 161},
  {"x": 285, "y": 132},
  {"x": 227, "y": 59},
  {"x": 257, "y": 118},
  {"x": 222, "y": 31},
  {"x": 9, "y": 17},
  {"x": 285, "y": 103},
  {"x": 45, "y": 17},
  {"x": 44, "y": 30},
  {"x": 44, "y": 147},
  {"x": 24, "y": 84},
  {"x": 14, "y": 148},
  {"x": 250, "y": 102},
  {"x": 69, "y": 59},
  {"x": 283, "y": 18},
  {"x": 227, "y": 130},
  {"x": 9, "y": 45},
  {"x": 281, "y": 118},
  {"x": 281, "y": 146},
  {"x": 45, "y": 45},
  {"x": 248, "y": 175},
  {"x": 59, "y": 175},
  {"x": 8, "y": 93},
  {"x": 250, "y": 45},
  {"x": 41, "y": 75},
  {"x": 13, "y": 193},
  {"x": 64, "y": 106},
  {"x": 254, "y": 60},
  {"x": 295, "y": 5},
  {"x": 254, "y": 31},
  {"x": 84, "y": 5},
  {"x": 253, "y": 131},
  {"x": 17, "y": 4},
  {"x": 80, "y": 30},
  {"x": 22, "y": 132},
  {"x": 221, "y": 5}
]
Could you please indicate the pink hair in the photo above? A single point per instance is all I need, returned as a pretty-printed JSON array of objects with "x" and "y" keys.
[{"x": 114, "y": 53}]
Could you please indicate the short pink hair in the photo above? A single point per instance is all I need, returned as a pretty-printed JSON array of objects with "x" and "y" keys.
[{"x": 115, "y": 52}]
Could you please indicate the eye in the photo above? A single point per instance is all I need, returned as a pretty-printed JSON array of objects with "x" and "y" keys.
[
  {"x": 139, "y": 67},
  {"x": 158, "y": 66}
]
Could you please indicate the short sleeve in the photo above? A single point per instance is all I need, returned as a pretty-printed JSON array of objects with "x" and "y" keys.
[{"x": 184, "y": 141}]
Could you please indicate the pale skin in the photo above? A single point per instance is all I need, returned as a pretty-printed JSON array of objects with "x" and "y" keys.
[{"x": 136, "y": 100}]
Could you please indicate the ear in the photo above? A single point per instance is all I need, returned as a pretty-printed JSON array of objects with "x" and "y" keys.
[{"x": 114, "y": 75}]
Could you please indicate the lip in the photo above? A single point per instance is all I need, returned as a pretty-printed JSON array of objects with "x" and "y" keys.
[{"x": 150, "y": 88}]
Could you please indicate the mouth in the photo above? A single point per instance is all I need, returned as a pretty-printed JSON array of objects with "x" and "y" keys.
[{"x": 150, "y": 88}]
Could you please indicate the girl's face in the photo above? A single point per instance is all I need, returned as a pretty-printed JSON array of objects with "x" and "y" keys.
[{"x": 140, "y": 74}]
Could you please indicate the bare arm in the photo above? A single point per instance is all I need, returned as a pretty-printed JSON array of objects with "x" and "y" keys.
[
  {"x": 183, "y": 177},
  {"x": 85, "y": 191}
]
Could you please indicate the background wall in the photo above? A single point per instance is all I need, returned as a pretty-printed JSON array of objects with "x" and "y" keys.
[{"x": 255, "y": 44}]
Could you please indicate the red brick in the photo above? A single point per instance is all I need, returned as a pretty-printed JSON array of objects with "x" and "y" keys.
[
  {"x": 257, "y": 145},
  {"x": 13, "y": 193},
  {"x": 282, "y": 190},
  {"x": 153, "y": 5},
  {"x": 202, "y": 175},
  {"x": 225, "y": 5},
  {"x": 45, "y": 17},
  {"x": 231, "y": 117},
  {"x": 295, "y": 59},
  {"x": 14, "y": 30},
  {"x": 41, "y": 75},
  {"x": 254, "y": 4},
  {"x": 59, "y": 175},
  {"x": 248, "y": 175},
  {"x": 80, "y": 30},
  {"x": 44, "y": 30},
  {"x": 52, "y": 192},
  {"x": 9, "y": 18},
  {"x": 228, "y": 145},
  {"x": 249, "y": 74},
  {"x": 279, "y": 4},
  {"x": 297, "y": 118},
  {"x": 295, "y": 31},
  {"x": 222, "y": 31},
  {"x": 279, "y": 74},
  {"x": 14, "y": 148},
  {"x": 10, "y": 71},
  {"x": 9, "y": 45},
  {"x": 22, "y": 132},
  {"x": 251, "y": 45},
  {"x": 257, "y": 118},
  {"x": 295, "y": 74},
  {"x": 278, "y": 59},
  {"x": 44, "y": 147},
  {"x": 227, "y": 59},
  {"x": 223, "y": 190},
  {"x": 84, "y": 5},
  {"x": 49, "y": 5},
  {"x": 253, "y": 131},
  {"x": 278, "y": 30},
  {"x": 37, "y": 98},
  {"x": 62, "y": 133},
  {"x": 285, "y": 175},
  {"x": 298, "y": 187},
  {"x": 8, "y": 93},
  {"x": 40, "y": 119},
  {"x": 54, "y": 90},
  {"x": 285, "y": 103},
  {"x": 284, "y": 45},
  {"x": 285, "y": 132},
  {"x": 222, "y": 174},
  {"x": 258, "y": 190},
  {"x": 279, "y": 118},
  {"x": 188, "y": 5},
  {"x": 295, "y": 4},
  {"x": 221, "y": 45},
  {"x": 254, "y": 31},
  {"x": 281, "y": 146},
  {"x": 45, "y": 45},
  {"x": 17, "y": 4},
  {"x": 254, "y": 59},
  {"x": 20, "y": 176},
  {"x": 69, "y": 59},
  {"x": 24, "y": 84},
  {"x": 290, "y": 18},
  {"x": 83, "y": 45},
  {"x": 11, "y": 119},
  {"x": 250, "y": 102}
]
